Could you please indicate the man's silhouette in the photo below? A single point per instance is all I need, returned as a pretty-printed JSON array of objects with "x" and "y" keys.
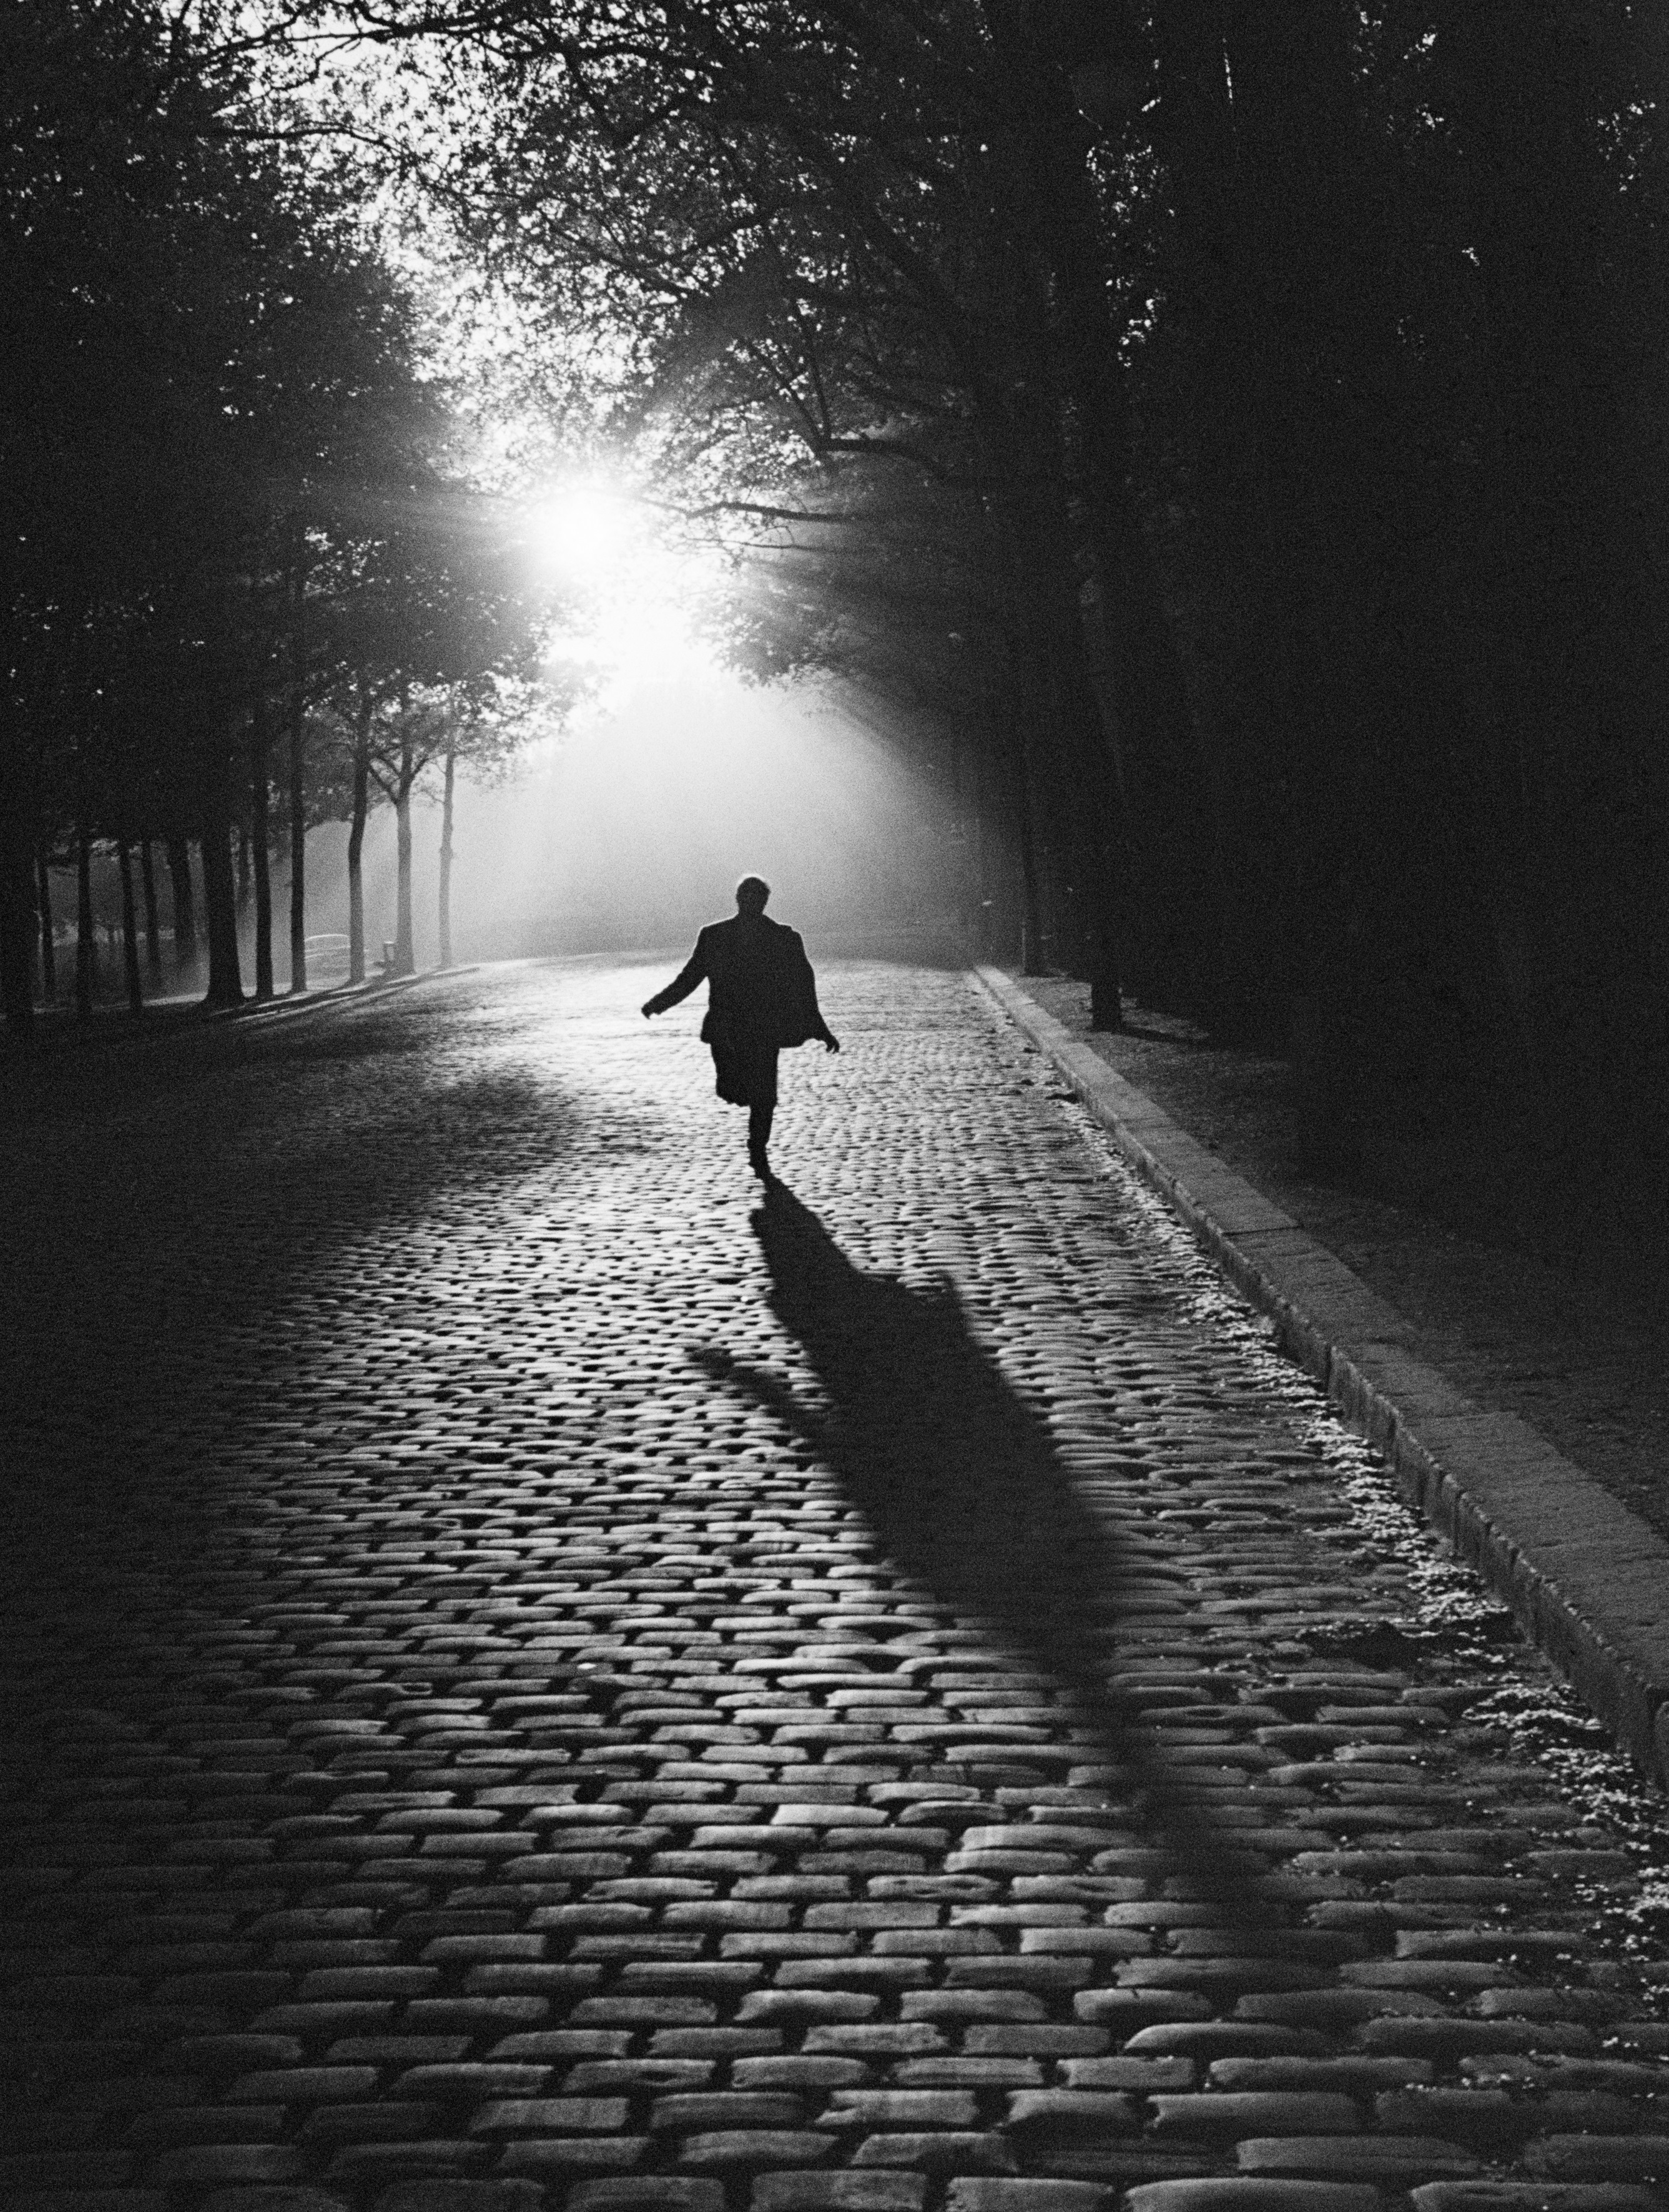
[{"x": 761, "y": 997}]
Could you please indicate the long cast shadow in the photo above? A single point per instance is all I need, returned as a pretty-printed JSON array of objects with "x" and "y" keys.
[{"x": 960, "y": 1482}]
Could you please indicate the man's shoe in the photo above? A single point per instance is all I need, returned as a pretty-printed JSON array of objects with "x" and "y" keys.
[{"x": 759, "y": 1163}]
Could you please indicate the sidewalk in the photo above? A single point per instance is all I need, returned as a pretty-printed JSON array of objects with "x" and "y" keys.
[{"x": 1577, "y": 1383}]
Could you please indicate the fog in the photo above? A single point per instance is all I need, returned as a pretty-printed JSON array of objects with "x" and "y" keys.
[{"x": 629, "y": 831}]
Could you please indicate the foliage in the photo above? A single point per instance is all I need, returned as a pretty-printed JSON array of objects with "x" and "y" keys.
[{"x": 225, "y": 481}]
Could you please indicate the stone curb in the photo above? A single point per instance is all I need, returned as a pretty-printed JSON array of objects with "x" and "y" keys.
[{"x": 1587, "y": 1580}]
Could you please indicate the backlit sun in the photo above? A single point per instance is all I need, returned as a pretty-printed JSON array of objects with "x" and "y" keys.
[
  {"x": 583, "y": 529},
  {"x": 632, "y": 592}
]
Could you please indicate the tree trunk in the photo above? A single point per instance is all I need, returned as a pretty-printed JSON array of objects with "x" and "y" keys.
[
  {"x": 356, "y": 839},
  {"x": 136, "y": 997},
  {"x": 87, "y": 949},
  {"x": 1149, "y": 733},
  {"x": 298, "y": 844},
  {"x": 48, "y": 947},
  {"x": 243, "y": 867},
  {"x": 220, "y": 889},
  {"x": 404, "y": 961},
  {"x": 185, "y": 912},
  {"x": 298, "y": 708},
  {"x": 1018, "y": 715},
  {"x": 1031, "y": 961},
  {"x": 153, "y": 927},
  {"x": 1073, "y": 483},
  {"x": 446, "y": 861},
  {"x": 258, "y": 796},
  {"x": 1106, "y": 1010},
  {"x": 17, "y": 917},
  {"x": 1009, "y": 714},
  {"x": 1099, "y": 846}
]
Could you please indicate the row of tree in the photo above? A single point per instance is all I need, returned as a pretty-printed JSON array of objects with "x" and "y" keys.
[
  {"x": 244, "y": 578},
  {"x": 139, "y": 892},
  {"x": 1244, "y": 422}
]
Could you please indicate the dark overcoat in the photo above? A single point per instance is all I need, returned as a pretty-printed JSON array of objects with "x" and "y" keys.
[{"x": 761, "y": 993}]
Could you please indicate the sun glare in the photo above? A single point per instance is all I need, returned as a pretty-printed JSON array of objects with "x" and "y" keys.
[
  {"x": 585, "y": 528},
  {"x": 630, "y": 620}
]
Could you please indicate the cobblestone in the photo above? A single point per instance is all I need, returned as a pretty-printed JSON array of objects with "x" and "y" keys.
[{"x": 533, "y": 1681}]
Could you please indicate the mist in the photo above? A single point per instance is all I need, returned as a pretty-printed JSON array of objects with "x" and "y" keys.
[{"x": 628, "y": 832}]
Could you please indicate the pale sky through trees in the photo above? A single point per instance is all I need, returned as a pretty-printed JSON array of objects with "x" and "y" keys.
[{"x": 632, "y": 829}]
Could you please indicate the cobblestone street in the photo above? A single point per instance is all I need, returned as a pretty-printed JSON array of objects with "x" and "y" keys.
[{"x": 534, "y": 1678}]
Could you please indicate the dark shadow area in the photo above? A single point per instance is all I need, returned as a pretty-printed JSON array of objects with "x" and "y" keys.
[
  {"x": 1182, "y": 1040},
  {"x": 129, "y": 1066},
  {"x": 217, "y": 1268},
  {"x": 179, "y": 1234},
  {"x": 960, "y": 1483}
]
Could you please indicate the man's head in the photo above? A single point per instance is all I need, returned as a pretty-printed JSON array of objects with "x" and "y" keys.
[{"x": 752, "y": 893}]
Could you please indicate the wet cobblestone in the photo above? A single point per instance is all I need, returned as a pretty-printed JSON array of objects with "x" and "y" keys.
[{"x": 533, "y": 1679}]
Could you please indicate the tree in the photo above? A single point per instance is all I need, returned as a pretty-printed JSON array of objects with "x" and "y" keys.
[
  {"x": 212, "y": 372},
  {"x": 439, "y": 625},
  {"x": 1314, "y": 355}
]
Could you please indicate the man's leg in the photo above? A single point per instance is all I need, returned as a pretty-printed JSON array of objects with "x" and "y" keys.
[{"x": 759, "y": 1118}]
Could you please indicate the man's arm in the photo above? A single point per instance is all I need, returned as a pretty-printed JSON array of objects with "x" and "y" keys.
[
  {"x": 691, "y": 974},
  {"x": 819, "y": 1029}
]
